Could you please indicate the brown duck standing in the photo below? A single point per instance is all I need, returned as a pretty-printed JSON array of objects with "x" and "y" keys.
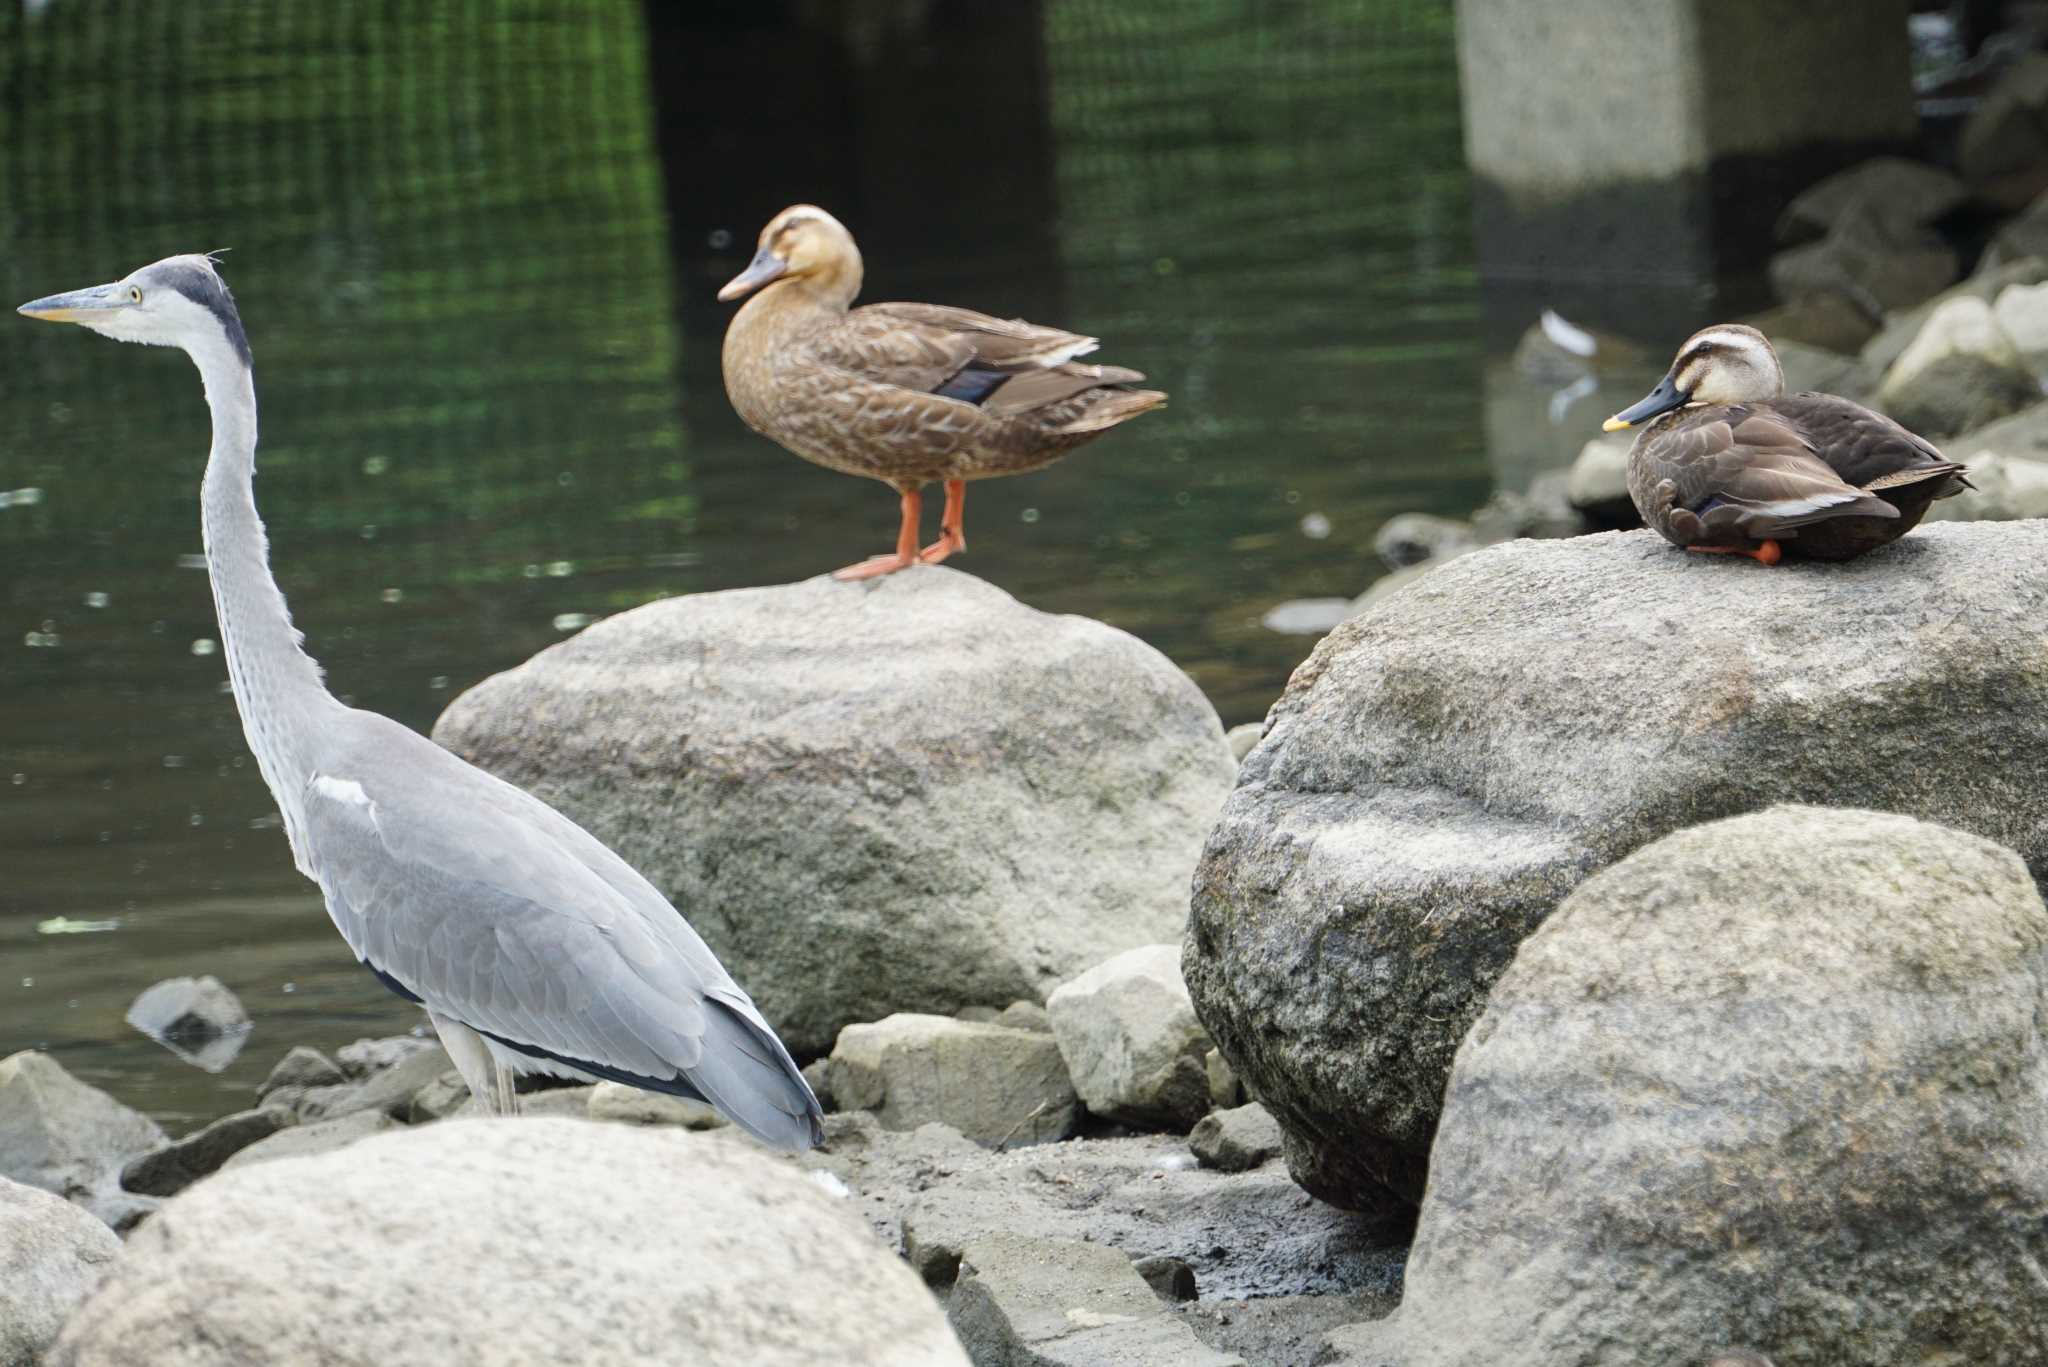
[
  {"x": 904, "y": 393},
  {"x": 1730, "y": 462}
]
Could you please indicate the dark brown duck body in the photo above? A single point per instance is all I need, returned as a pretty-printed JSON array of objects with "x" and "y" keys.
[{"x": 1729, "y": 462}]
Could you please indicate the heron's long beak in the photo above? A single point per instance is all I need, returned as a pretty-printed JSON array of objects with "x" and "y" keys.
[
  {"x": 79, "y": 306},
  {"x": 1665, "y": 397},
  {"x": 765, "y": 266}
]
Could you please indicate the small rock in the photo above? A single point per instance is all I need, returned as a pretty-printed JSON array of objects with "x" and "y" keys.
[
  {"x": 1876, "y": 265},
  {"x": 59, "y": 1134},
  {"x": 321, "y": 1137},
  {"x": 446, "y": 1095},
  {"x": 977, "y": 1015},
  {"x": 1026, "y": 1015},
  {"x": 1597, "y": 483},
  {"x": 1902, "y": 194},
  {"x": 542, "y": 1240},
  {"x": 1170, "y": 1278},
  {"x": 170, "y": 1169},
  {"x": 1131, "y": 1041},
  {"x": 1829, "y": 322},
  {"x": 2007, "y": 489},
  {"x": 1225, "y": 1090},
  {"x": 1901, "y": 328},
  {"x": 1305, "y": 616},
  {"x": 2022, "y": 314},
  {"x": 994, "y": 1084},
  {"x": 818, "y": 1073},
  {"x": 1961, "y": 372},
  {"x": 367, "y": 1056},
  {"x": 1243, "y": 737},
  {"x": 615, "y": 1101},
  {"x": 1411, "y": 538},
  {"x": 389, "y": 1088},
  {"x": 52, "y": 1255},
  {"x": 1051, "y": 1303},
  {"x": 1543, "y": 511},
  {"x": 2024, "y": 236},
  {"x": 302, "y": 1067},
  {"x": 558, "y": 1103},
  {"x": 2007, "y": 133},
  {"x": 1236, "y": 1140},
  {"x": 197, "y": 1019}
]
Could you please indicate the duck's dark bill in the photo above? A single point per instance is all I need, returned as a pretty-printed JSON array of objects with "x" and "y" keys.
[{"x": 1665, "y": 397}]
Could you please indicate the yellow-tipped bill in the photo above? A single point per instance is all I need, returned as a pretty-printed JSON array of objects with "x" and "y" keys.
[
  {"x": 78, "y": 306},
  {"x": 1665, "y": 397},
  {"x": 1616, "y": 424}
]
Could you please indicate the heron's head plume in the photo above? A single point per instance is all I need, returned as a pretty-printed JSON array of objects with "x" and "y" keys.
[
  {"x": 802, "y": 243},
  {"x": 180, "y": 301},
  {"x": 1724, "y": 364}
]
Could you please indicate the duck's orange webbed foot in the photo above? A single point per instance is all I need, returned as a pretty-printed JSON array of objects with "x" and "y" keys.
[
  {"x": 952, "y": 525},
  {"x": 1764, "y": 552},
  {"x": 906, "y": 545}
]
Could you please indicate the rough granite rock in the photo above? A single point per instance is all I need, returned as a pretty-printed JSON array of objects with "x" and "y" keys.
[
  {"x": 1960, "y": 372},
  {"x": 1024, "y": 1302},
  {"x": 1236, "y": 1140},
  {"x": 389, "y": 1085},
  {"x": 1775, "y": 1081},
  {"x": 908, "y": 794},
  {"x": 324, "y": 1136},
  {"x": 1902, "y": 327},
  {"x": 178, "y": 1164},
  {"x": 673, "y": 1249},
  {"x": 367, "y": 1056},
  {"x": 52, "y": 1254},
  {"x": 995, "y": 1084},
  {"x": 66, "y": 1137},
  {"x": 1445, "y": 768},
  {"x": 1131, "y": 1039},
  {"x": 302, "y": 1066}
]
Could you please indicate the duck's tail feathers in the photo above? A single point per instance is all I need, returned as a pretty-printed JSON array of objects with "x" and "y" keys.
[{"x": 1115, "y": 406}]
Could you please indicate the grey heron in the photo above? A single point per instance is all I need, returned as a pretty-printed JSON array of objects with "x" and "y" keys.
[{"x": 533, "y": 947}]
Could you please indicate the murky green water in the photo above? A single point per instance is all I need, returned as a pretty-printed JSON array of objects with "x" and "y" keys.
[{"x": 474, "y": 250}]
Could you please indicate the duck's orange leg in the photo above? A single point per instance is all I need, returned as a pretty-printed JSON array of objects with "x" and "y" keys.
[
  {"x": 906, "y": 544},
  {"x": 952, "y": 525},
  {"x": 1766, "y": 552}
]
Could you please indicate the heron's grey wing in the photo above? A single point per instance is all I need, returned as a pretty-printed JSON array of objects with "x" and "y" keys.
[{"x": 495, "y": 909}]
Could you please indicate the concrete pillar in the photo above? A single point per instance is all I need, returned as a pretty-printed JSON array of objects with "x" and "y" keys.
[{"x": 1653, "y": 142}]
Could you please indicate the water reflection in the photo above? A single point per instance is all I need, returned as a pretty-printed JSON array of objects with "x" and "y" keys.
[{"x": 476, "y": 250}]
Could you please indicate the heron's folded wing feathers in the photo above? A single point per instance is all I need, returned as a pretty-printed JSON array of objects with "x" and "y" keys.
[{"x": 497, "y": 910}]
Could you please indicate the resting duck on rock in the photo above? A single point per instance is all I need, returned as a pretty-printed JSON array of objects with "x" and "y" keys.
[
  {"x": 1730, "y": 462},
  {"x": 907, "y": 394}
]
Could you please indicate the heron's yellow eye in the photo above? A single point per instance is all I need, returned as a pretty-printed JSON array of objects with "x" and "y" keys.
[{"x": 135, "y": 294}]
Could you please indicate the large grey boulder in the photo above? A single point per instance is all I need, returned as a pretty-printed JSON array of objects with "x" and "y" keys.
[
  {"x": 909, "y": 794},
  {"x": 52, "y": 1254},
  {"x": 70, "y": 1138},
  {"x": 1133, "y": 1045},
  {"x": 1775, "y": 1081},
  {"x": 1902, "y": 195},
  {"x": 994, "y": 1083},
  {"x": 1447, "y": 766},
  {"x": 515, "y": 1240}
]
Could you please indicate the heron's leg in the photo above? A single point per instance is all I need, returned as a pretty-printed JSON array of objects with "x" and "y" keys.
[
  {"x": 1764, "y": 552},
  {"x": 906, "y": 544},
  {"x": 472, "y": 1059},
  {"x": 952, "y": 525},
  {"x": 505, "y": 1089}
]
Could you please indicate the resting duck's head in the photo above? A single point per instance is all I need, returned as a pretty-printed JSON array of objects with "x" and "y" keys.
[
  {"x": 1726, "y": 363},
  {"x": 803, "y": 244}
]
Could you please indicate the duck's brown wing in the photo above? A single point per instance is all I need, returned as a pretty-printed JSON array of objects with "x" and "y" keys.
[
  {"x": 1868, "y": 450},
  {"x": 1740, "y": 473},
  {"x": 1002, "y": 366}
]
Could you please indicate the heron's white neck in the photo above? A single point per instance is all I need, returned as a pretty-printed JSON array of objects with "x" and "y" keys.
[{"x": 278, "y": 687}]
